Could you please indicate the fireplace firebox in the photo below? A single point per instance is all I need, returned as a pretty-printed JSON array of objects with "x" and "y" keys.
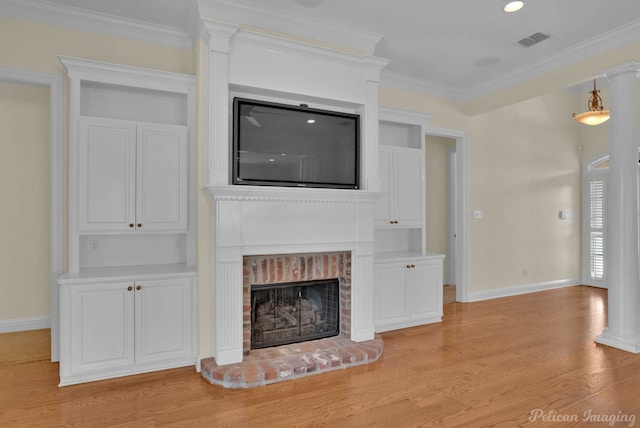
[{"x": 293, "y": 312}]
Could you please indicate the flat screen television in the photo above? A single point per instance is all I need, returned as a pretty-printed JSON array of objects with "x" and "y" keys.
[{"x": 285, "y": 145}]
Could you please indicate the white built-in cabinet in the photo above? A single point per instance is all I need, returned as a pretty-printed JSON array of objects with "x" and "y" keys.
[
  {"x": 401, "y": 173},
  {"x": 133, "y": 176},
  {"x": 128, "y": 302},
  {"x": 124, "y": 327},
  {"x": 408, "y": 292},
  {"x": 408, "y": 280}
]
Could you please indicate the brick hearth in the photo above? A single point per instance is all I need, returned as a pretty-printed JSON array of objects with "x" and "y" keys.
[{"x": 287, "y": 362}]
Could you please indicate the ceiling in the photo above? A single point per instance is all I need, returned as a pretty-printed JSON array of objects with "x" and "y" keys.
[{"x": 461, "y": 49}]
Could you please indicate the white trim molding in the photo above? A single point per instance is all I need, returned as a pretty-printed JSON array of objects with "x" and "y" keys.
[
  {"x": 56, "y": 129},
  {"x": 24, "y": 324},
  {"x": 496, "y": 293}
]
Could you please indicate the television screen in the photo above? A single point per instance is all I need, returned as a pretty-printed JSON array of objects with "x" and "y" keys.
[{"x": 284, "y": 145}]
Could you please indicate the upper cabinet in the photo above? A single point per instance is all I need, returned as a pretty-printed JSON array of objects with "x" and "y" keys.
[
  {"x": 400, "y": 211},
  {"x": 131, "y": 166},
  {"x": 132, "y": 177},
  {"x": 401, "y": 172}
]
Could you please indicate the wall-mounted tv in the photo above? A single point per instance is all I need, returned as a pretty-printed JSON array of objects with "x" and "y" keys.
[{"x": 285, "y": 145}]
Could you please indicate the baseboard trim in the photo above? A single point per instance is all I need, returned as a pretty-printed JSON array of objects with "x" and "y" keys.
[
  {"x": 477, "y": 296},
  {"x": 24, "y": 324}
]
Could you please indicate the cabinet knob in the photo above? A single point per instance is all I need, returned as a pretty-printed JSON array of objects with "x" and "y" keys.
[
  {"x": 139, "y": 224},
  {"x": 139, "y": 287},
  {"x": 131, "y": 225},
  {"x": 390, "y": 221},
  {"x": 408, "y": 266},
  {"x": 413, "y": 266},
  {"x": 129, "y": 288}
]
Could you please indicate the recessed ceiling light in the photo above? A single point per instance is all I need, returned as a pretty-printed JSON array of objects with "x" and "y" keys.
[
  {"x": 311, "y": 121},
  {"x": 513, "y": 6}
]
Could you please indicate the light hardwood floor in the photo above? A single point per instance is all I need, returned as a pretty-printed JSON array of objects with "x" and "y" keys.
[{"x": 489, "y": 363}]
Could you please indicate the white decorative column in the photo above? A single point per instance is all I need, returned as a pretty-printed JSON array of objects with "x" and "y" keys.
[
  {"x": 217, "y": 37},
  {"x": 226, "y": 260},
  {"x": 623, "y": 273}
]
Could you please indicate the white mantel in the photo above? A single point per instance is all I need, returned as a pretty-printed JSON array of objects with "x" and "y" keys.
[
  {"x": 257, "y": 220},
  {"x": 251, "y": 222}
]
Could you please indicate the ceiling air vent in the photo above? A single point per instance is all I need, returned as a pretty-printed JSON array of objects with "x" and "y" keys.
[{"x": 533, "y": 39}]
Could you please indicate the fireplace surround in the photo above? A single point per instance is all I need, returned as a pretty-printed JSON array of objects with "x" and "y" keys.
[
  {"x": 304, "y": 269},
  {"x": 281, "y": 235},
  {"x": 270, "y": 224}
]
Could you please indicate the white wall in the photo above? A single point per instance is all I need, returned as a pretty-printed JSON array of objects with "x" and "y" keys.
[{"x": 25, "y": 213}]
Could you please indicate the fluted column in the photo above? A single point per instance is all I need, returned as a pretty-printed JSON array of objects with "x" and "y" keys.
[
  {"x": 216, "y": 93},
  {"x": 623, "y": 273}
]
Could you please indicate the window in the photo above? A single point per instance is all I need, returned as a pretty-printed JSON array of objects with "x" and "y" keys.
[{"x": 596, "y": 227}]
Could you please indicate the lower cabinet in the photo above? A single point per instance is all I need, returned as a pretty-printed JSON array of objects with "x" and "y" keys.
[
  {"x": 408, "y": 292},
  {"x": 117, "y": 328}
]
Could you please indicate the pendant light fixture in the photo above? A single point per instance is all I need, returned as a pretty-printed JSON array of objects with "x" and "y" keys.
[{"x": 596, "y": 113}]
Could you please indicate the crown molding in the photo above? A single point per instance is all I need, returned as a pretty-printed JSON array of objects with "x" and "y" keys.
[
  {"x": 630, "y": 67},
  {"x": 46, "y": 12},
  {"x": 285, "y": 45},
  {"x": 126, "y": 75},
  {"x": 404, "y": 116},
  {"x": 295, "y": 24}
]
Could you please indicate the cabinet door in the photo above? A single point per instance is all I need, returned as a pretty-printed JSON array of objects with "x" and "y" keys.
[
  {"x": 101, "y": 325},
  {"x": 382, "y": 213},
  {"x": 425, "y": 284},
  {"x": 165, "y": 312},
  {"x": 106, "y": 176},
  {"x": 162, "y": 187},
  {"x": 407, "y": 189},
  {"x": 390, "y": 299}
]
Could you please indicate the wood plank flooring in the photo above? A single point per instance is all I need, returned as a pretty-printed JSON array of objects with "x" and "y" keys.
[{"x": 489, "y": 364}]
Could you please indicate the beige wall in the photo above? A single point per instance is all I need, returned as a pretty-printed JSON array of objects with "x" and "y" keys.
[
  {"x": 524, "y": 167},
  {"x": 25, "y": 214},
  {"x": 436, "y": 161},
  {"x": 33, "y": 46}
]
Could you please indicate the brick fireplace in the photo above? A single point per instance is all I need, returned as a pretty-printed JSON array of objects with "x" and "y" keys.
[
  {"x": 292, "y": 268},
  {"x": 266, "y": 235}
]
